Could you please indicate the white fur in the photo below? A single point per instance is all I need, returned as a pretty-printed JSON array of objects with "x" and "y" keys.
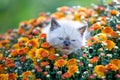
[{"x": 68, "y": 29}]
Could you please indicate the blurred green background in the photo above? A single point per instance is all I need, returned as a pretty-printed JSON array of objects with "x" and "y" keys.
[{"x": 14, "y": 11}]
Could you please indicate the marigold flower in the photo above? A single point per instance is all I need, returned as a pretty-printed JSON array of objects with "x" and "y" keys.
[
  {"x": 60, "y": 63},
  {"x": 92, "y": 40},
  {"x": 3, "y": 76},
  {"x": 28, "y": 75},
  {"x": 107, "y": 30},
  {"x": 45, "y": 45},
  {"x": 51, "y": 50},
  {"x": 72, "y": 69},
  {"x": 12, "y": 76},
  {"x": 99, "y": 70},
  {"x": 23, "y": 39},
  {"x": 110, "y": 44},
  {"x": 115, "y": 62},
  {"x": 114, "y": 34},
  {"x": 42, "y": 53},
  {"x": 111, "y": 66},
  {"x": 118, "y": 27},
  {"x": 114, "y": 12},
  {"x": 58, "y": 15},
  {"x": 94, "y": 60},
  {"x": 32, "y": 53},
  {"x": 71, "y": 62}
]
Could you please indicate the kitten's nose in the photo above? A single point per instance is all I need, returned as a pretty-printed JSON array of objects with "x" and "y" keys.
[{"x": 66, "y": 42}]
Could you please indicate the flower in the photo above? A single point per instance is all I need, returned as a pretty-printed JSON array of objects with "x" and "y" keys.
[
  {"x": 23, "y": 39},
  {"x": 71, "y": 62},
  {"x": 96, "y": 26},
  {"x": 110, "y": 44},
  {"x": 114, "y": 12},
  {"x": 33, "y": 43},
  {"x": 32, "y": 53},
  {"x": 42, "y": 35},
  {"x": 42, "y": 53},
  {"x": 2, "y": 68},
  {"x": 99, "y": 70},
  {"x": 94, "y": 60},
  {"x": 100, "y": 37},
  {"x": 52, "y": 57},
  {"x": 44, "y": 63},
  {"x": 66, "y": 75},
  {"x": 45, "y": 45},
  {"x": 12, "y": 76},
  {"x": 111, "y": 66},
  {"x": 28, "y": 75},
  {"x": 107, "y": 30},
  {"x": 60, "y": 63},
  {"x": 72, "y": 69},
  {"x": 3, "y": 76}
]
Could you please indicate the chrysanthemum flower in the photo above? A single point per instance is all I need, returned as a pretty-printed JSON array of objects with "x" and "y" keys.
[
  {"x": 28, "y": 75},
  {"x": 45, "y": 45},
  {"x": 33, "y": 43},
  {"x": 110, "y": 44},
  {"x": 99, "y": 70},
  {"x": 72, "y": 69},
  {"x": 107, "y": 30},
  {"x": 71, "y": 62},
  {"x": 60, "y": 63},
  {"x": 111, "y": 66},
  {"x": 3, "y": 76},
  {"x": 94, "y": 60},
  {"x": 12, "y": 76}
]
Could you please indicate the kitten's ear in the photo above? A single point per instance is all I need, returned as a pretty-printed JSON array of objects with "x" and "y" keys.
[
  {"x": 54, "y": 24},
  {"x": 82, "y": 30}
]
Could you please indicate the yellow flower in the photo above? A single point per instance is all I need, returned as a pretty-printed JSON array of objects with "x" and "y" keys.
[
  {"x": 28, "y": 75},
  {"x": 33, "y": 43},
  {"x": 12, "y": 76},
  {"x": 3, "y": 76},
  {"x": 100, "y": 37},
  {"x": 72, "y": 69},
  {"x": 23, "y": 39},
  {"x": 71, "y": 62},
  {"x": 60, "y": 63},
  {"x": 42, "y": 53},
  {"x": 31, "y": 53},
  {"x": 110, "y": 44},
  {"x": 99, "y": 70}
]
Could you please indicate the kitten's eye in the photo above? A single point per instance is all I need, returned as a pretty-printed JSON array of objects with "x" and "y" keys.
[
  {"x": 73, "y": 40},
  {"x": 60, "y": 38}
]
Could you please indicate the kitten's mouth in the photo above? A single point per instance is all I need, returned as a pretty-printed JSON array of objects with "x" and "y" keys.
[{"x": 66, "y": 47}]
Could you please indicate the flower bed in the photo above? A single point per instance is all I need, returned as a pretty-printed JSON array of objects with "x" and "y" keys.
[{"x": 25, "y": 54}]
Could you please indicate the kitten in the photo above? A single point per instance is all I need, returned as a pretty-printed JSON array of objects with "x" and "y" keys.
[{"x": 66, "y": 35}]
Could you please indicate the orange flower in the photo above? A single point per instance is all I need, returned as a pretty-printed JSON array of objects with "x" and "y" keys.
[
  {"x": 66, "y": 75},
  {"x": 99, "y": 70},
  {"x": 114, "y": 34},
  {"x": 23, "y": 39},
  {"x": 2, "y": 68},
  {"x": 44, "y": 63},
  {"x": 14, "y": 53},
  {"x": 33, "y": 43},
  {"x": 52, "y": 57},
  {"x": 42, "y": 35},
  {"x": 3, "y": 76},
  {"x": 72, "y": 69},
  {"x": 58, "y": 15},
  {"x": 92, "y": 40},
  {"x": 60, "y": 63},
  {"x": 96, "y": 26},
  {"x": 71, "y": 62},
  {"x": 111, "y": 66},
  {"x": 28, "y": 75},
  {"x": 110, "y": 44},
  {"x": 115, "y": 62},
  {"x": 42, "y": 53},
  {"x": 94, "y": 60},
  {"x": 114, "y": 12},
  {"x": 107, "y": 30},
  {"x": 45, "y": 45},
  {"x": 12, "y": 76}
]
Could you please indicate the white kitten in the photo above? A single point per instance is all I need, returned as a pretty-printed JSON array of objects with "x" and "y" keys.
[{"x": 66, "y": 35}]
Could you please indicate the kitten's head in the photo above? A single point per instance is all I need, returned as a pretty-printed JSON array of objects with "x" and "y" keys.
[{"x": 64, "y": 36}]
